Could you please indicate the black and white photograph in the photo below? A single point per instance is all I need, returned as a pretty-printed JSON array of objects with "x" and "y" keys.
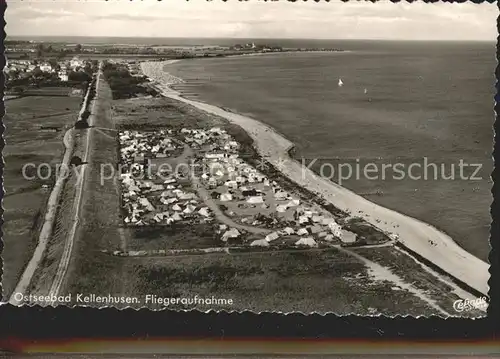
[{"x": 286, "y": 157}]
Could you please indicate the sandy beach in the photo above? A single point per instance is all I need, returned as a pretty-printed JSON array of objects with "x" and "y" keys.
[{"x": 416, "y": 235}]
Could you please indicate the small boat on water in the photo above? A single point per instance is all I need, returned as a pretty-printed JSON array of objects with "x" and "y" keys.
[
  {"x": 366, "y": 91},
  {"x": 340, "y": 83}
]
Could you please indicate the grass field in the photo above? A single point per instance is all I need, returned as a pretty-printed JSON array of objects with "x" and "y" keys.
[
  {"x": 35, "y": 127},
  {"x": 311, "y": 281}
]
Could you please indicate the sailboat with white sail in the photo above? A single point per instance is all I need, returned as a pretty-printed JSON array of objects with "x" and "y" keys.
[{"x": 340, "y": 83}]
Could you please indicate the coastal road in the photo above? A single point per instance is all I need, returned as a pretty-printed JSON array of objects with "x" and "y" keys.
[
  {"x": 68, "y": 247},
  {"x": 420, "y": 237}
]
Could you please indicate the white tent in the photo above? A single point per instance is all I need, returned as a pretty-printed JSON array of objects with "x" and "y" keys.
[
  {"x": 231, "y": 184},
  {"x": 260, "y": 243},
  {"x": 281, "y": 195},
  {"x": 293, "y": 203},
  {"x": 187, "y": 196},
  {"x": 326, "y": 221},
  {"x": 329, "y": 237},
  {"x": 306, "y": 241},
  {"x": 272, "y": 236},
  {"x": 303, "y": 219},
  {"x": 288, "y": 230},
  {"x": 255, "y": 199},
  {"x": 145, "y": 202},
  {"x": 204, "y": 212},
  {"x": 302, "y": 232},
  {"x": 232, "y": 233},
  {"x": 317, "y": 219},
  {"x": 281, "y": 208},
  {"x": 176, "y": 217},
  {"x": 189, "y": 209}
]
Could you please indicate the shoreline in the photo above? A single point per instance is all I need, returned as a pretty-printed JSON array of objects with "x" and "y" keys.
[{"x": 413, "y": 233}]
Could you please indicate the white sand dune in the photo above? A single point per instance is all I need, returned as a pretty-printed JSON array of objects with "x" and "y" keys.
[{"x": 416, "y": 235}]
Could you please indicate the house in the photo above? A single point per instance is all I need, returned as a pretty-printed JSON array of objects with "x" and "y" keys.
[
  {"x": 225, "y": 197},
  {"x": 176, "y": 207}
]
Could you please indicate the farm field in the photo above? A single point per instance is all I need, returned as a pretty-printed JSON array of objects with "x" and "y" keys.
[{"x": 35, "y": 126}]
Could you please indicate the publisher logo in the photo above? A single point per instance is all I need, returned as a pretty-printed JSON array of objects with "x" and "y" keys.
[{"x": 465, "y": 305}]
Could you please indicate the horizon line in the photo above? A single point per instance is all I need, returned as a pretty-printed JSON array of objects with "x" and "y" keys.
[{"x": 253, "y": 38}]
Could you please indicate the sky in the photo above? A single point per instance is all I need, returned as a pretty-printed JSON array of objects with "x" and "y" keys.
[{"x": 253, "y": 19}]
